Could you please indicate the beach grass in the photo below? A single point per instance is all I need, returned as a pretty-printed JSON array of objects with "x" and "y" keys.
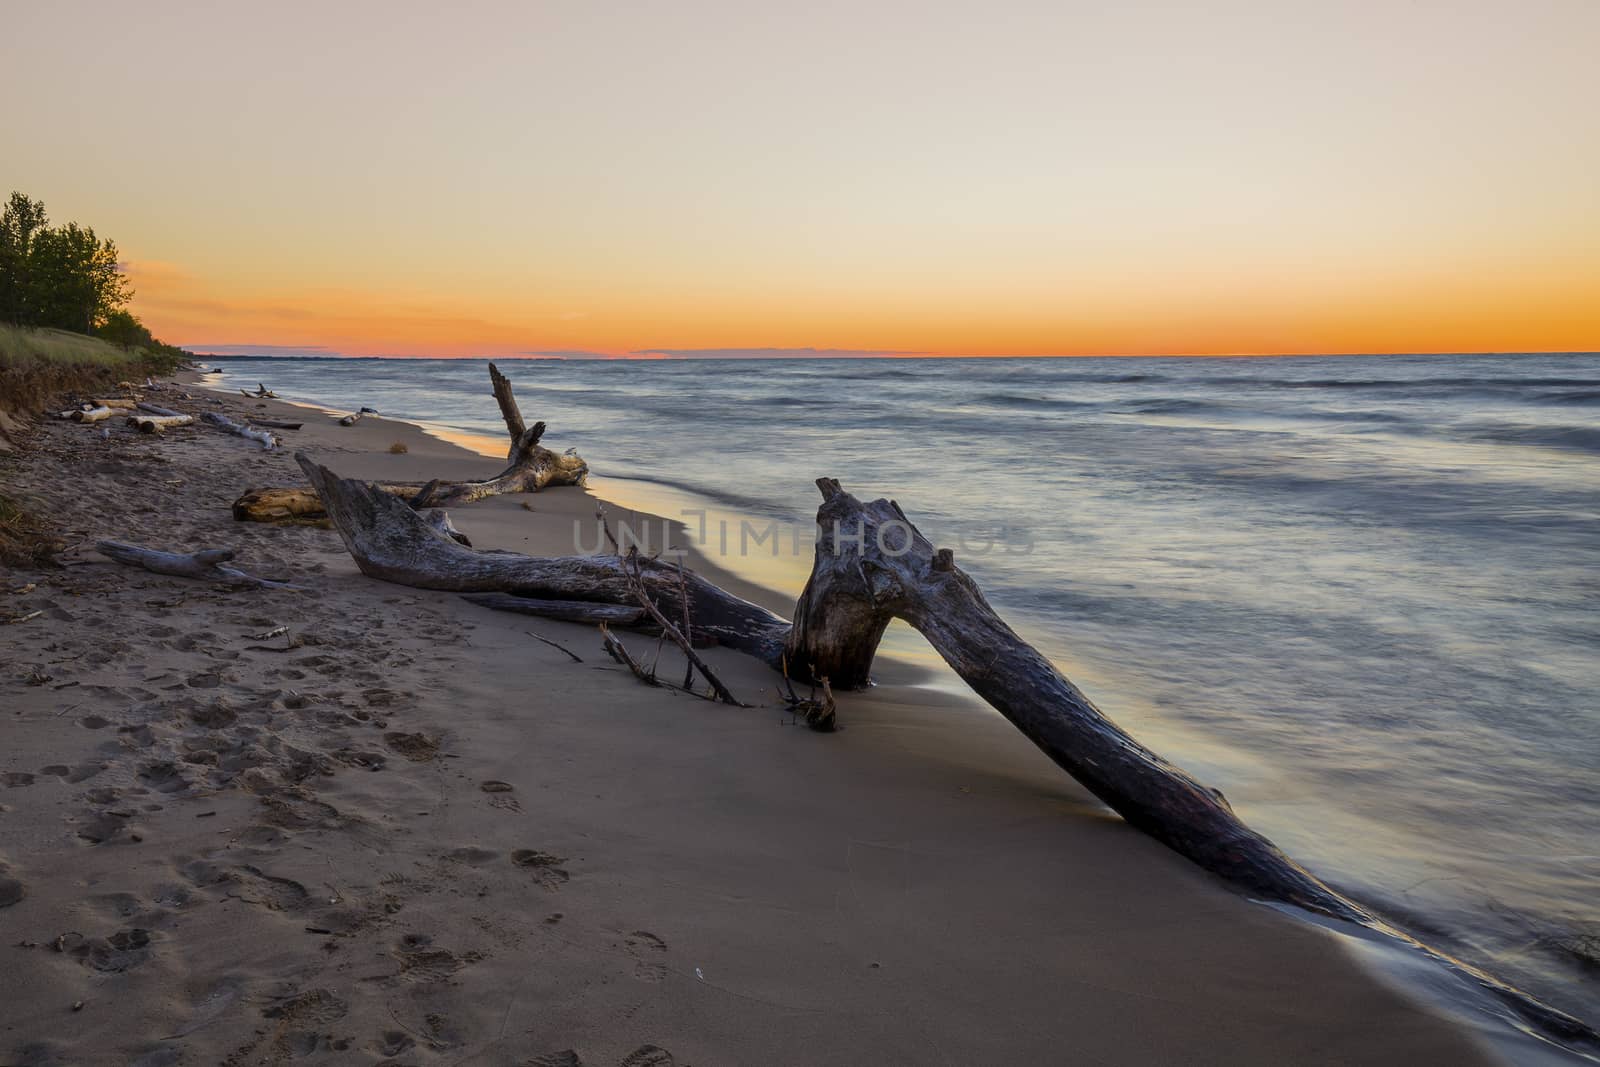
[{"x": 23, "y": 349}]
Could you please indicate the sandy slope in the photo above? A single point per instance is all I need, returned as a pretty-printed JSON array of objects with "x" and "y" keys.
[{"x": 409, "y": 833}]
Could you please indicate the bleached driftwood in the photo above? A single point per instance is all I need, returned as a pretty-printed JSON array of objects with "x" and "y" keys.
[
  {"x": 158, "y": 423},
  {"x": 206, "y": 564},
  {"x": 155, "y": 409},
  {"x": 261, "y": 437},
  {"x": 355, "y": 417},
  {"x": 95, "y": 414},
  {"x": 261, "y": 393},
  {"x": 531, "y": 467},
  {"x": 119, "y": 404},
  {"x": 873, "y": 565}
]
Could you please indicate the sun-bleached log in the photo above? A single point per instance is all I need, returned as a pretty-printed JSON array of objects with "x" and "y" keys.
[
  {"x": 279, "y": 505},
  {"x": 208, "y": 564},
  {"x": 872, "y": 565},
  {"x": 95, "y": 414},
  {"x": 356, "y": 416},
  {"x": 266, "y": 440},
  {"x": 158, "y": 423},
  {"x": 531, "y": 468},
  {"x": 119, "y": 404}
]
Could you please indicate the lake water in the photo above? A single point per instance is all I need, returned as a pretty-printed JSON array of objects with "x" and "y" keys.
[{"x": 1359, "y": 594}]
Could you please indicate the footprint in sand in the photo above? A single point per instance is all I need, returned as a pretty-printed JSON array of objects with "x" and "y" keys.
[
  {"x": 418, "y": 748},
  {"x": 545, "y": 866},
  {"x": 421, "y": 963},
  {"x": 565, "y": 1058},
  {"x": 648, "y": 1056},
  {"x": 472, "y": 856},
  {"x": 11, "y": 889},
  {"x": 392, "y": 1043},
  {"x": 122, "y": 951},
  {"x": 644, "y": 947},
  {"x": 16, "y": 779},
  {"x": 500, "y": 794}
]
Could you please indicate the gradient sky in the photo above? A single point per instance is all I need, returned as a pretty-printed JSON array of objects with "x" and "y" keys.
[{"x": 1010, "y": 178}]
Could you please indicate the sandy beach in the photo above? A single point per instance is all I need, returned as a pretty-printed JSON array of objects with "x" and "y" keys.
[{"x": 404, "y": 831}]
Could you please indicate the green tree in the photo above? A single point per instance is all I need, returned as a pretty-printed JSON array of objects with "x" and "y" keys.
[
  {"x": 74, "y": 278},
  {"x": 122, "y": 327},
  {"x": 23, "y": 219}
]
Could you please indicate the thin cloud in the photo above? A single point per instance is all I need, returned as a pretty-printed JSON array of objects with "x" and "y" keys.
[
  {"x": 563, "y": 353},
  {"x": 769, "y": 353},
  {"x": 263, "y": 350}
]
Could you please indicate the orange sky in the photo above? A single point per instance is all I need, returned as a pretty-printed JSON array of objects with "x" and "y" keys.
[{"x": 1053, "y": 178}]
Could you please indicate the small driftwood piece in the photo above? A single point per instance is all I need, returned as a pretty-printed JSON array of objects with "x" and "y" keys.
[
  {"x": 556, "y": 644},
  {"x": 95, "y": 414},
  {"x": 279, "y": 505},
  {"x": 531, "y": 468},
  {"x": 158, "y": 423},
  {"x": 156, "y": 409},
  {"x": 266, "y": 440},
  {"x": 273, "y": 424},
  {"x": 616, "y": 651},
  {"x": 206, "y": 564},
  {"x": 352, "y": 419},
  {"x": 261, "y": 393},
  {"x": 672, "y": 632}
]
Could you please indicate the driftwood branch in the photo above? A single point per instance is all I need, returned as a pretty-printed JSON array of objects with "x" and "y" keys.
[
  {"x": 95, "y": 414},
  {"x": 532, "y": 467},
  {"x": 671, "y": 631},
  {"x": 261, "y": 393},
  {"x": 208, "y": 563},
  {"x": 266, "y": 440},
  {"x": 614, "y": 648},
  {"x": 561, "y": 610}
]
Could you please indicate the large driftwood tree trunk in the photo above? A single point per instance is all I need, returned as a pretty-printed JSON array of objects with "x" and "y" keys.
[
  {"x": 873, "y": 565},
  {"x": 530, "y": 468}
]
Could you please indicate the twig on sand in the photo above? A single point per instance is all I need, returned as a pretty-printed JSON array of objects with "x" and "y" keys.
[
  {"x": 637, "y": 585},
  {"x": 553, "y": 644}
]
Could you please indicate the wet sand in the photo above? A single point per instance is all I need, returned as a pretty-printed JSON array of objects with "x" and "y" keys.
[{"x": 404, "y": 831}]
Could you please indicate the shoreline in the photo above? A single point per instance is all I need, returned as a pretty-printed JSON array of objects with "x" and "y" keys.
[{"x": 916, "y": 887}]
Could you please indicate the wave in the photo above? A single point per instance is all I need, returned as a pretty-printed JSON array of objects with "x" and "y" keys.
[
  {"x": 1582, "y": 397},
  {"x": 1569, "y": 438}
]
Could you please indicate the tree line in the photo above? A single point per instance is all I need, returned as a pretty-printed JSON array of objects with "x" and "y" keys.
[{"x": 64, "y": 278}]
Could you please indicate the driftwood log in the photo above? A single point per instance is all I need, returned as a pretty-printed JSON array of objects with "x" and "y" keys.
[
  {"x": 873, "y": 565},
  {"x": 531, "y": 467},
  {"x": 261, "y": 393},
  {"x": 266, "y": 440},
  {"x": 207, "y": 564},
  {"x": 158, "y": 423},
  {"x": 95, "y": 414}
]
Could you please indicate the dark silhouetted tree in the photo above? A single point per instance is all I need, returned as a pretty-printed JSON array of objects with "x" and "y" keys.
[
  {"x": 22, "y": 220},
  {"x": 66, "y": 277}
]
